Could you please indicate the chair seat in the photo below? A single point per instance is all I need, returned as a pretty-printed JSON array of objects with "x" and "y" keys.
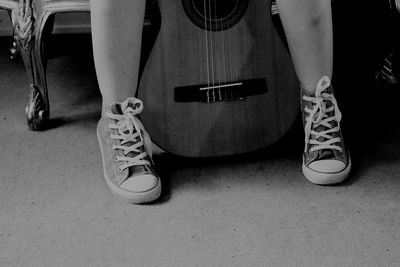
[
  {"x": 9, "y": 4},
  {"x": 68, "y": 1},
  {"x": 55, "y": 6}
]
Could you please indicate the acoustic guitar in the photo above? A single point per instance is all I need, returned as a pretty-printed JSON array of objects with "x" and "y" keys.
[{"x": 219, "y": 80}]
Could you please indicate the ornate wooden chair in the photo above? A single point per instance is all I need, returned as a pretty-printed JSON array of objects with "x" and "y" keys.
[{"x": 32, "y": 22}]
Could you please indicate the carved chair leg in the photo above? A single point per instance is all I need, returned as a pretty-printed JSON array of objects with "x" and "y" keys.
[
  {"x": 23, "y": 24},
  {"x": 14, "y": 52},
  {"x": 46, "y": 32},
  {"x": 38, "y": 109},
  {"x": 36, "y": 112},
  {"x": 29, "y": 35}
]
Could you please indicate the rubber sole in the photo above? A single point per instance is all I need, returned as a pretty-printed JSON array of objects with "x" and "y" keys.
[{"x": 321, "y": 178}]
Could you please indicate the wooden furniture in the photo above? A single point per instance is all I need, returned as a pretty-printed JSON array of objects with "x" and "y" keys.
[{"x": 32, "y": 22}]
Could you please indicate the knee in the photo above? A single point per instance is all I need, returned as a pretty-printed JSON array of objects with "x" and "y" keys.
[
  {"x": 312, "y": 11},
  {"x": 313, "y": 6},
  {"x": 308, "y": 3}
]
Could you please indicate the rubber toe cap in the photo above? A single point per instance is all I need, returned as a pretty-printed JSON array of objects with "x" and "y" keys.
[
  {"x": 327, "y": 166},
  {"x": 140, "y": 183}
]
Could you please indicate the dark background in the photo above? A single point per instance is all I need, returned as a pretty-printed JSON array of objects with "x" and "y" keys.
[{"x": 364, "y": 33}]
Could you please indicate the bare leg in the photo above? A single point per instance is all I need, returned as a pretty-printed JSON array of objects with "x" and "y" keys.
[
  {"x": 124, "y": 144},
  {"x": 117, "y": 34},
  {"x": 308, "y": 28}
]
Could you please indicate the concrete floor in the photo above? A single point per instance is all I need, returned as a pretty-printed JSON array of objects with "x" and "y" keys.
[{"x": 252, "y": 210}]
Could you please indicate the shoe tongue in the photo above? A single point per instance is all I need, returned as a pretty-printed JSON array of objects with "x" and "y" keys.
[
  {"x": 132, "y": 105},
  {"x": 116, "y": 109},
  {"x": 328, "y": 90},
  {"x": 135, "y": 169},
  {"x": 325, "y": 153}
]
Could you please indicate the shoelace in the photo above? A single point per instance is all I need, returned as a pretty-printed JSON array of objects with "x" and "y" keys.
[
  {"x": 318, "y": 116},
  {"x": 129, "y": 129}
]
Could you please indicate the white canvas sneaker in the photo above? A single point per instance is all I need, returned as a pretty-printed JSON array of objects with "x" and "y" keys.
[
  {"x": 326, "y": 159},
  {"x": 126, "y": 153}
]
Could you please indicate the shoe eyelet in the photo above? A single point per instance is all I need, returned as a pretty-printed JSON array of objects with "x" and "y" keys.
[
  {"x": 115, "y": 158},
  {"x": 119, "y": 169}
]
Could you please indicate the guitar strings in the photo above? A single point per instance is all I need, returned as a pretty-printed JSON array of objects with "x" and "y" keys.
[
  {"x": 229, "y": 37},
  {"x": 207, "y": 50},
  {"x": 223, "y": 45},
  {"x": 221, "y": 25},
  {"x": 236, "y": 52},
  {"x": 216, "y": 63},
  {"x": 212, "y": 45},
  {"x": 216, "y": 46}
]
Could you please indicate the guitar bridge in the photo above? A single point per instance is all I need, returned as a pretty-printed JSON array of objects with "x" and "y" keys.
[{"x": 218, "y": 92}]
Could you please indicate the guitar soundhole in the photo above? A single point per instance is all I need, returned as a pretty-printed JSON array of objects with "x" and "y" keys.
[{"x": 215, "y": 15}]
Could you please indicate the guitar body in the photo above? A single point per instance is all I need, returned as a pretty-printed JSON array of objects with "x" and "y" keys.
[{"x": 223, "y": 87}]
